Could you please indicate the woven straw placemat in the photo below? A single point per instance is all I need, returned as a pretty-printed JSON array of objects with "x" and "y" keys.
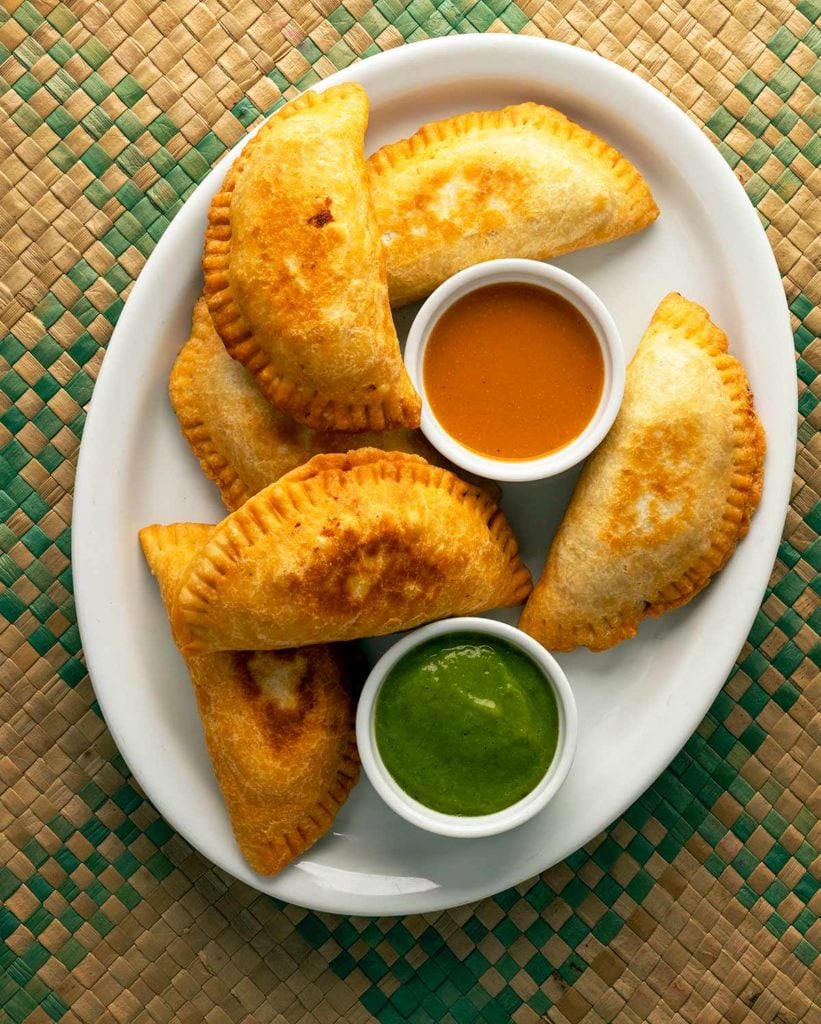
[{"x": 700, "y": 903}]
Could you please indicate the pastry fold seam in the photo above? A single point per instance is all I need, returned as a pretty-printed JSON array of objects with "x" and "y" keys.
[{"x": 394, "y": 154}]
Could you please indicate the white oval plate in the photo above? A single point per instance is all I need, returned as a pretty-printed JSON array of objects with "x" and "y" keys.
[{"x": 637, "y": 703}]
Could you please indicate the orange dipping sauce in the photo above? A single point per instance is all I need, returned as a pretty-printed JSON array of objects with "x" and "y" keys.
[{"x": 513, "y": 371}]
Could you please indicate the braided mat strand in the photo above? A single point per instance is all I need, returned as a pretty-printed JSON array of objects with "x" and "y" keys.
[{"x": 700, "y": 904}]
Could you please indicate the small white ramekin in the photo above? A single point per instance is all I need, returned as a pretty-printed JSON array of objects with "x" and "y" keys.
[
  {"x": 451, "y": 824},
  {"x": 543, "y": 275}
]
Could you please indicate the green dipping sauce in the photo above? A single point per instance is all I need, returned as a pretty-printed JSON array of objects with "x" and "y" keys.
[{"x": 466, "y": 723}]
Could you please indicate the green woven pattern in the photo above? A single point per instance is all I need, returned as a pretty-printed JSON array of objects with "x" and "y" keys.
[{"x": 700, "y": 904}]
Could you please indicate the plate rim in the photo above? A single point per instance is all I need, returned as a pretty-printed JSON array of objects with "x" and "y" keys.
[{"x": 779, "y": 475}]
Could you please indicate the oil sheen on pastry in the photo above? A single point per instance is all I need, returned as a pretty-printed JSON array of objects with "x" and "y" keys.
[
  {"x": 295, "y": 273},
  {"x": 242, "y": 442},
  {"x": 279, "y": 725},
  {"x": 348, "y": 546},
  {"x": 662, "y": 504},
  {"x": 523, "y": 181}
]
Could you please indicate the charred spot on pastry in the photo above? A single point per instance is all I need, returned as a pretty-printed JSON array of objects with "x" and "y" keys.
[
  {"x": 323, "y": 216},
  {"x": 319, "y": 220}
]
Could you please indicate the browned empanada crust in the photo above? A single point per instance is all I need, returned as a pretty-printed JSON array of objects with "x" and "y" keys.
[
  {"x": 279, "y": 725},
  {"x": 348, "y": 546},
  {"x": 523, "y": 181},
  {"x": 244, "y": 443},
  {"x": 662, "y": 504},
  {"x": 295, "y": 275}
]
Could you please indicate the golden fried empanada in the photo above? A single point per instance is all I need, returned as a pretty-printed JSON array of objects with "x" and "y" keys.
[
  {"x": 523, "y": 181},
  {"x": 348, "y": 546},
  {"x": 244, "y": 443},
  {"x": 295, "y": 273},
  {"x": 279, "y": 725},
  {"x": 661, "y": 505}
]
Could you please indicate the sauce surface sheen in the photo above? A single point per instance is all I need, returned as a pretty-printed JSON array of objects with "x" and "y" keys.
[
  {"x": 467, "y": 724},
  {"x": 513, "y": 371}
]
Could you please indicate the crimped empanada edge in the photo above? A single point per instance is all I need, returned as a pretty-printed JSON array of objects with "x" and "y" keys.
[
  {"x": 181, "y": 391},
  {"x": 643, "y": 208},
  {"x": 749, "y": 449},
  {"x": 156, "y": 538},
  {"x": 308, "y": 406},
  {"x": 746, "y": 480},
  {"x": 271, "y": 856},
  {"x": 325, "y": 462},
  {"x": 245, "y": 526}
]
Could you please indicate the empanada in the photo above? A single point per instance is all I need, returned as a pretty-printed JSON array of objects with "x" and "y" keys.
[
  {"x": 295, "y": 273},
  {"x": 348, "y": 546},
  {"x": 523, "y": 181},
  {"x": 661, "y": 505},
  {"x": 279, "y": 725},
  {"x": 244, "y": 443}
]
